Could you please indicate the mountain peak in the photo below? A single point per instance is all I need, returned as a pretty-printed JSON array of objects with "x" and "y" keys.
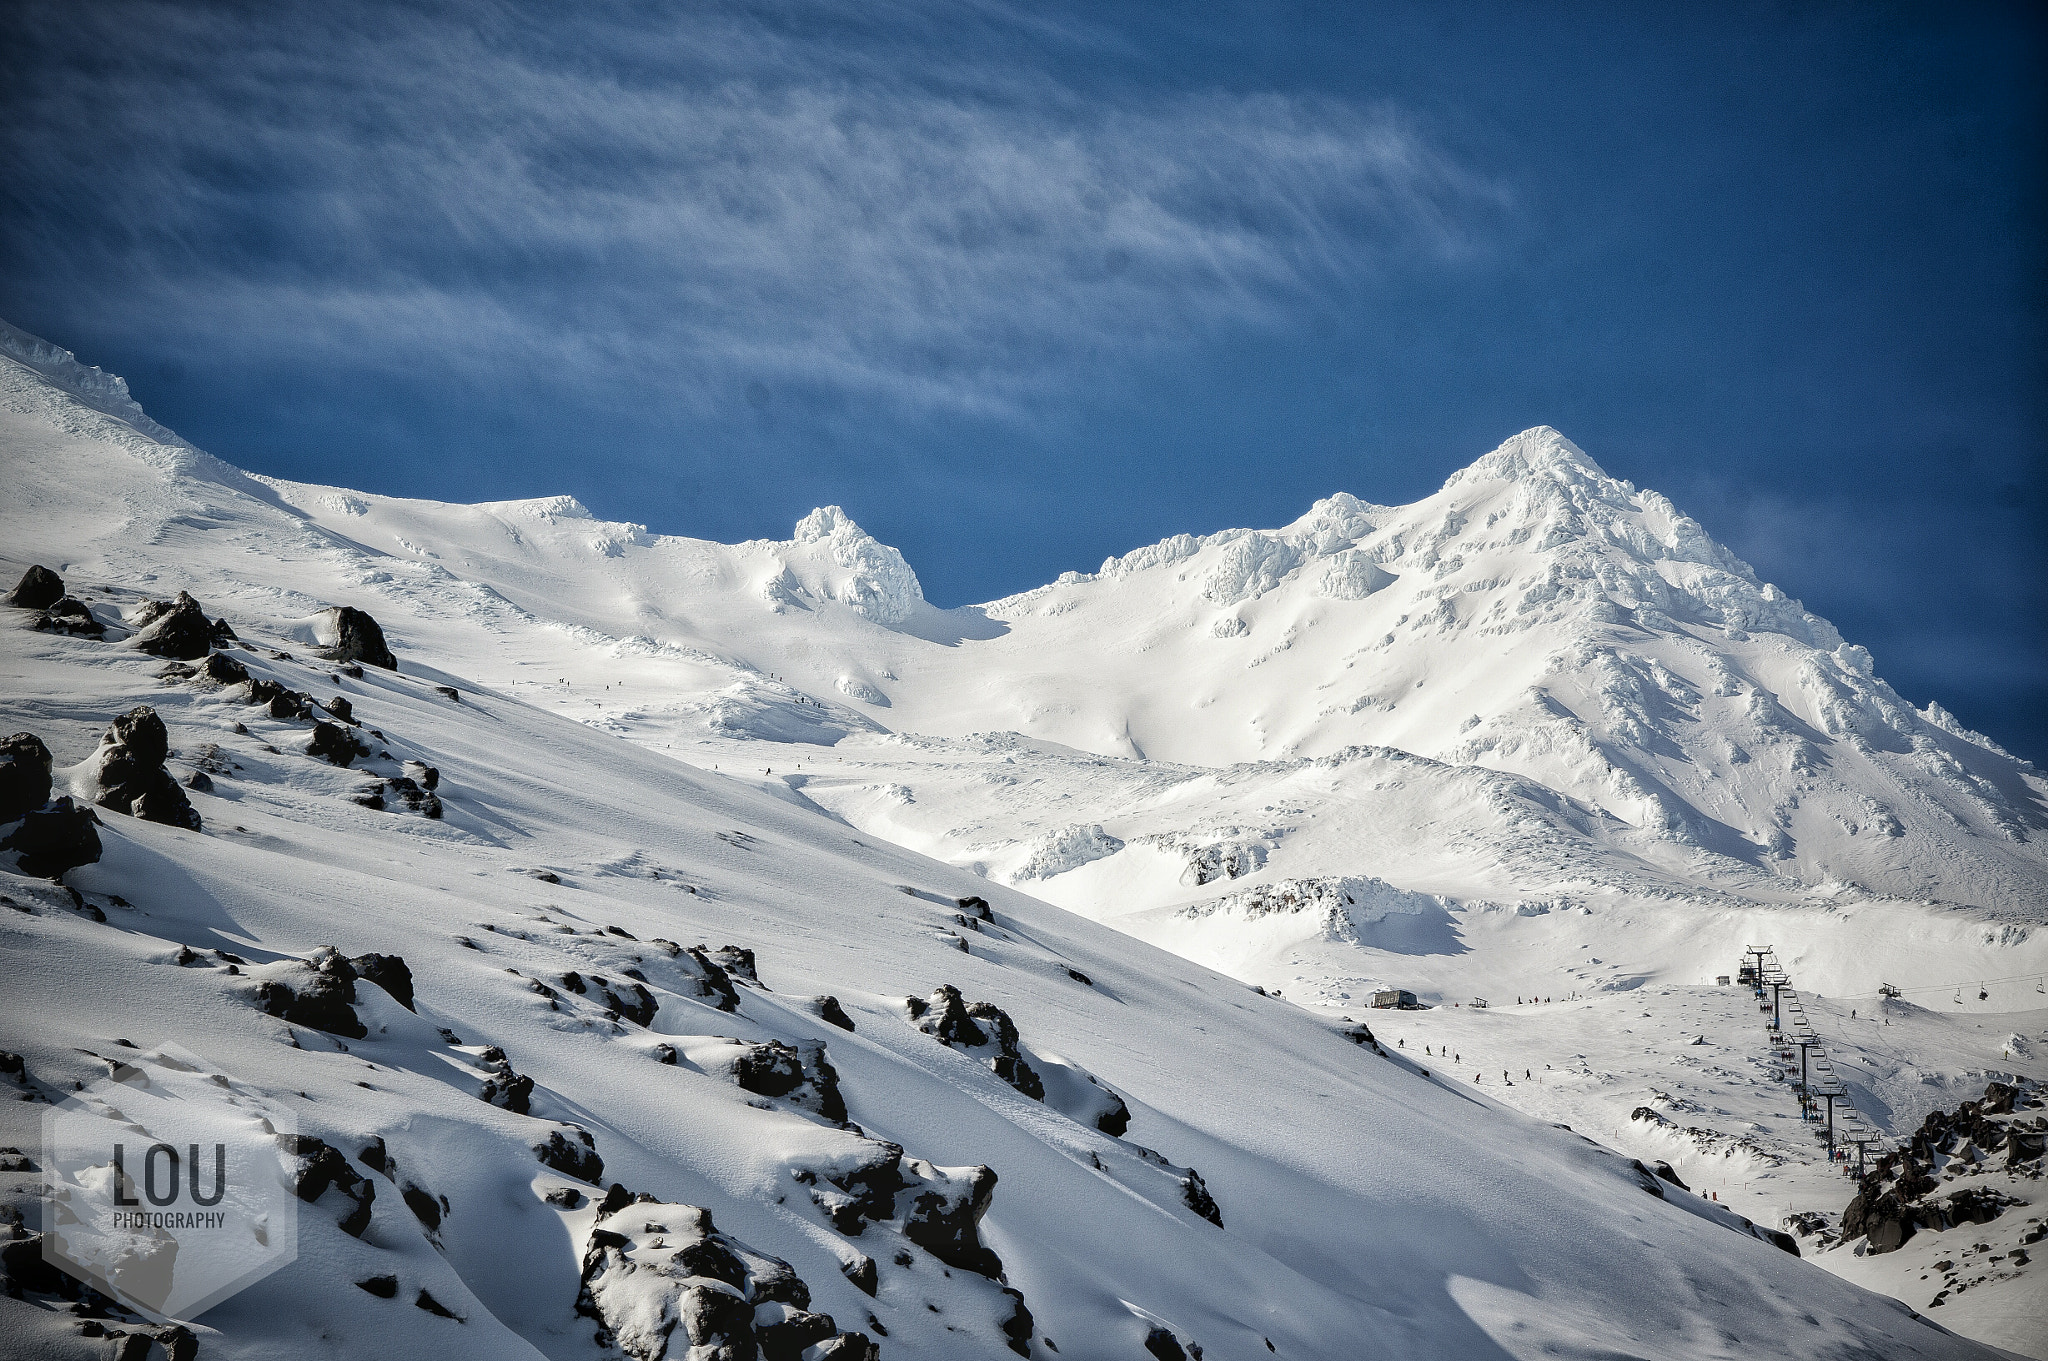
[
  {"x": 865, "y": 573},
  {"x": 1539, "y": 451},
  {"x": 824, "y": 522}
]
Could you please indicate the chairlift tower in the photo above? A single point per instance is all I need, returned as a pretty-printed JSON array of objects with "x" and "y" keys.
[{"x": 1805, "y": 1101}]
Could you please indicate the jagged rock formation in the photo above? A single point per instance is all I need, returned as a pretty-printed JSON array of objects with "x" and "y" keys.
[{"x": 1900, "y": 1195}]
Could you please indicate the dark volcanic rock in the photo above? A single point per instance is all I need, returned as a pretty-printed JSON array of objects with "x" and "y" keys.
[
  {"x": 161, "y": 800},
  {"x": 38, "y": 589},
  {"x": 1195, "y": 1192},
  {"x": 982, "y": 1029},
  {"x": 177, "y": 630},
  {"x": 1164, "y": 1346},
  {"x": 572, "y": 1158},
  {"x": 1017, "y": 1328},
  {"x": 131, "y": 771},
  {"x": 388, "y": 972},
  {"x": 1895, "y": 1199},
  {"x": 318, "y": 1167},
  {"x": 945, "y": 1217},
  {"x": 506, "y": 1089},
  {"x": 943, "y": 1016},
  {"x": 315, "y": 993},
  {"x": 399, "y": 789},
  {"x": 222, "y": 669},
  {"x": 72, "y": 617},
  {"x": 335, "y": 745},
  {"x": 24, "y": 775},
  {"x": 831, "y": 1013},
  {"x": 57, "y": 837},
  {"x": 770, "y": 1069},
  {"x": 861, "y": 1271},
  {"x": 1116, "y": 1119},
  {"x": 425, "y": 1208},
  {"x": 737, "y": 962},
  {"x": 141, "y": 736},
  {"x": 802, "y": 1075},
  {"x": 23, "y": 1267},
  {"x": 426, "y": 1301},
  {"x": 359, "y": 639},
  {"x": 713, "y": 979}
]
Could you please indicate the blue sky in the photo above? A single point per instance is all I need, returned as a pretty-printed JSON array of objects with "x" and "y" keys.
[{"x": 1024, "y": 287}]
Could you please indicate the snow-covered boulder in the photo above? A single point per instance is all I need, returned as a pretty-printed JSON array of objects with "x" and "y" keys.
[{"x": 664, "y": 1282}]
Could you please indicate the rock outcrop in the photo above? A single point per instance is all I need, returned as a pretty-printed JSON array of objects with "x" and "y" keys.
[
  {"x": 662, "y": 1281},
  {"x": 1898, "y": 1198},
  {"x": 575, "y": 1157},
  {"x": 57, "y": 837},
  {"x": 318, "y": 1167},
  {"x": 71, "y": 617},
  {"x": 388, "y": 972},
  {"x": 38, "y": 589},
  {"x": 129, "y": 767},
  {"x": 177, "y": 629},
  {"x": 800, "y": 1074},
  {"x": 358, "y": 638},
  {"x": 335, "y": 745},
  {"x": 317, "y": 993},
  {"x": 980, "y": 1028},
  {"x": 24, "y": 775}
]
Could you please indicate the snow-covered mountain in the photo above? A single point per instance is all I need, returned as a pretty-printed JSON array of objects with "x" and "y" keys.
[{"x": 1440, "y": 745}]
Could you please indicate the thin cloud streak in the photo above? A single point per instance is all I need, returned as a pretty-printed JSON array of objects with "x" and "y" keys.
[{"x": 724, "y": 199}]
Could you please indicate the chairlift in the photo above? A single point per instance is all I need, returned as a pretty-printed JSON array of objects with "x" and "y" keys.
[
  {"x": 1959, "y": 994},
  {"x": 1981, "y": 993},
  {"x": 2038, "y": 985}
]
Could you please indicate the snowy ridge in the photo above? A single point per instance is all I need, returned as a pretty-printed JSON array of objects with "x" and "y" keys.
[{"x": 104, "y": 392}]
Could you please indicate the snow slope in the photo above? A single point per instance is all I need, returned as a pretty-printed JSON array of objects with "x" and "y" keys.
[
  {"x": 1255, "y": 749},
  {"x": 1368, "y": 1207}
]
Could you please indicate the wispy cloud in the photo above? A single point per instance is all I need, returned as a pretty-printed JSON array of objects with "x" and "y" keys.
[{"x": 782, "y": 196}]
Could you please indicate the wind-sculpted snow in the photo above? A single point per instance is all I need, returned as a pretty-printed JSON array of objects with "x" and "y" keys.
[
  {"x": 104, "y": 392},
  {"x": 1066, "y": 848},
  {"x": 877, "y": 582}
]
